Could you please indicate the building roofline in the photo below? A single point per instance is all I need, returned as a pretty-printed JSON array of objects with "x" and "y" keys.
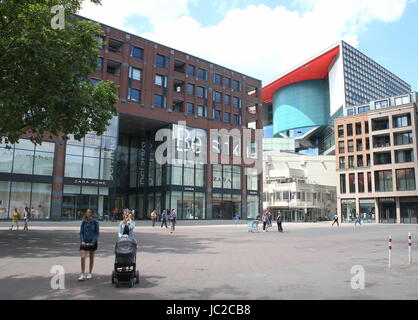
[{"x": 162, "y": 45}]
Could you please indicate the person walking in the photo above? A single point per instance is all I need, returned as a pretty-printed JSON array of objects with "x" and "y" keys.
[
  {"x": 335, "y": 221},
  {"x": 26, "y": 215},
  {"x": 279, "y": 221},
  {"x": 89, "y": 235},
  {"x": 270, "y": 217},
  {"x": 115, "y": 214},
  {"x": 154, "y": 217},
  {"x": 15, "y": 219},
  {"x": 164, "y": 218},
  {"x": 173, "y": 220},
  {"x": 357, "y": 220},
  {"x": 265, "y": 221},
  {"x": 237, "y": 218}
]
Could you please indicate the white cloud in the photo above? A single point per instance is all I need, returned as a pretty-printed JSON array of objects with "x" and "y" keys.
[{"x": 257, "y": 40}]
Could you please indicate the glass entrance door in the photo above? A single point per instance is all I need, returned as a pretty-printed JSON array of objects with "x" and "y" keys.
[{"x": 388, "y": 213}]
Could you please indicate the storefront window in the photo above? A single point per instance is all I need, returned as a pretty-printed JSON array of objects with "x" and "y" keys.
[
  {"x": 227, "y": 177},
  {"x": 91, "y": 168},
  {"x": 236, "y": 202},
  {"x": 236, "y": 177},
  {"x": 41, "y": 200},
  {"x": 348, "y": 210},
  {"x": 77, "y": 199},
  {"x": 252, "y": 207},
  {"x": 200, "y": 206},
  {"x": 176, "y": 203},
  {"x": 200, "y": 175},
  {"x": 217, "y": 176},
  {"x": 368, "y": 210},
  {"x": 4, "y": 199},
  {"x": 252, "y": 182},
  {"x": 188, "y": 204}
]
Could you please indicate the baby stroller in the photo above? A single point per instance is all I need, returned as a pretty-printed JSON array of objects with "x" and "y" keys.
[
  {"x": 125, "y": 262},
  {"x": 253, "y": 226}
]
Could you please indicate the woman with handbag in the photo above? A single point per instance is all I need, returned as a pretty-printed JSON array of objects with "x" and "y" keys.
[{"x": 89, "y": 235}]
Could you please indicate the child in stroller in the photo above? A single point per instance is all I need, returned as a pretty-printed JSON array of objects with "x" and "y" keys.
[{"x": 125, "y": 254}]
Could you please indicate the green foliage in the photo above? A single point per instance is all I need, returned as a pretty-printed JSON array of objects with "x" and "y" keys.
[{"x": 44, "y": 88}]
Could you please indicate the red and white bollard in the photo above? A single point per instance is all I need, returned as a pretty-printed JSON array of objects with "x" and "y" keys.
[
  {"x": 390, "y": 251},
  {"x": 410, "y": 247}
]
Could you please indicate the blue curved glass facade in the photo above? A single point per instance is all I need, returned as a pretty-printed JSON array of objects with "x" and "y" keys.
[{"x": 301, "y": 105}]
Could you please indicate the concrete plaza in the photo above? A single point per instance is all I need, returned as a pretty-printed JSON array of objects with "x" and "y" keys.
[{"x": 209, "y": 261}]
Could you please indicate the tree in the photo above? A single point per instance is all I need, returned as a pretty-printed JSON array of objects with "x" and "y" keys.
[{"x": 44, "y": 89}]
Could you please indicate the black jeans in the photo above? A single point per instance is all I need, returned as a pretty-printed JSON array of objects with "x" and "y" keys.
[
  {"x": 164, "y": 223},
  {"x": 279, "y": 227},
  {"x": 336, "y": 221}
]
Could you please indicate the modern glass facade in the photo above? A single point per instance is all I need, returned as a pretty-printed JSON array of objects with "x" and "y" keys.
[
  {"x": 26, "y": 178},
  {"x": 366, "y": 80}
]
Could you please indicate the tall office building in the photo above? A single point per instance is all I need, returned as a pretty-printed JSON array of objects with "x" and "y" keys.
[
  {"x": 159, "y": 87},
  {"x": 303, "y": 103}
]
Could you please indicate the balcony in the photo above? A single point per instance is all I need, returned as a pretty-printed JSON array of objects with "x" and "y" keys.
[
  {"x": 178, "y": 86},
  {"x": 113, "y": 67},
  {"x": 380, "y": 124},
  {"x": 115, "y": 46},
  {"x": 179, "y": 66}
]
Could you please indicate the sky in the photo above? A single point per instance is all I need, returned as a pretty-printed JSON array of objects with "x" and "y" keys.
[{"x": 266, "y": 38}]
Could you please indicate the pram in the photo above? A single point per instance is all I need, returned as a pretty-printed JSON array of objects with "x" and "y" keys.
[
  {"x": 125, "y": 262},
  {"x": 253, "y": 226}
]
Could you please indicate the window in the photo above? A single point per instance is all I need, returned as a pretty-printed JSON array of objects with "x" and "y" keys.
[
  {"x": 134, "y": 73},
  {"x": 380, "y": 124},
  {"x": 343, "y": 187},
  {"x": 160, "y": 80},
  {"x": 340, "y": 131},
  {"x": 349, "y": 130},
  {"x": 383, "y": 181},
  {"x": 342, "y": 162},
  {"x": 227, "y": 117},
  {"x": 366, "y": 126},
  {"x": 217, "y": 114},
  {"x": 351, "y": 161},
  {"x": 237, "y": 85},
  {"x": 202, "y": 92},
  {"x": 359, "y": 145},
  {"x": 403, "y": 156},
  {"x": 381, "y": 141},
  {"x": 402, "y": 100},
  {"x": 236, "y": 119},
  {"x": 99, "y": 64},
  {"x": 202, "y": 74},
  {"x": 217, "y": 97},
  {"x": 227, "y": 100},
  {"x": 403, "y": 138},
  {"x": 382, "y": 158},
  {"x": 159, "y": 101},
  {"x": 341, "y": 147},
  {"x": 227, "y": 82},
  {"x": 161, "y": 61},
  {"x": 218, "y": 79},
  {"x": 236, "y": 102},
  {"x": 358, "y": 128},
  {"x": 191, "y": 70},
  {"x": 350, "y": 112},
  {"x": 360, "y": 162},
  {"x": 352, "y": 182},
  {"x": 137, "y": 53},
  {"x": 201, "y": 111},
  {"x": 350, "y": 146},
  {"x": 361, "y": 183},
  {"x": 402, "y": 121},
  {"x": 381, "y": 104},
  {"x": 405, "y": 180},
  {"x": 190, "y": 108},
  {"x": 134, "y": 95},
  {"x": 190, "y": 89},
  {"x": 369, "y": 182}
]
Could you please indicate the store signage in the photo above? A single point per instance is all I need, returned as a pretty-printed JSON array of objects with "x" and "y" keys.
[
  {"x": 218, "y": 179},
  {"x": 188, "y": 189},
  {"x": 142, "y": 163},
  {"x": 348, "y": 201},
  {"x": 252, "y": 109},
  {"x": 86, "y": 182},
  {"x": 387, "y": 200},
  {"x": 253, "y": 193}
]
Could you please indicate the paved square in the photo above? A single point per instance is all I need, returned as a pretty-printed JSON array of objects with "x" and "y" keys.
[{"x": 308, "y": 261}]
